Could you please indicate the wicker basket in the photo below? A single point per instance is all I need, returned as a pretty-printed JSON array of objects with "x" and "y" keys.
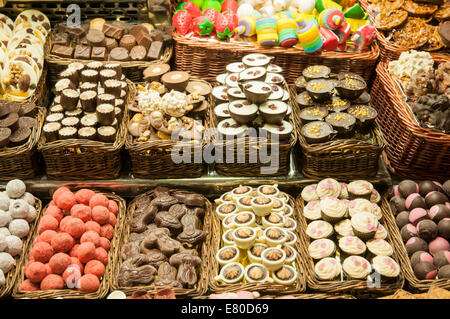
[
  {"x": 388, "y": 50},
  {"x": 412, "y": 151},
  {"x": 12, "y": 275},
  {"x": 204, "y": 250},
  {"x": 153, "y": 159},
  {"x": 69, "y": 293},
  {"x": 23, "y": 161},
  {"x": 247, "y": 148},
  {"x": 132, "y": 69},
  {"x": 86, "y": 159},
  {"x": 343, "y": 158},
  {"x": 333, "y": 286},
  {"x": 269, "y": 288},
  {"x": 405, "y": 262},
  {"x": 312, "y": 296}
]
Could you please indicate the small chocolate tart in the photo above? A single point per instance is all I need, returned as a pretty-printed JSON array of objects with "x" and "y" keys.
[
  {"x": 274, "y": 254},
  {"x": 244, "y": 233},
  {"x": 256, "y": 59},
  {"x": 304, "y": 100},
  {"x": 317, "y": 132},
  {"x": 337, "y": 104},
  {"x": 283, "y": 131},
  {"x": 242, "y": 111},
  {"x": 274, "y": 78},
  {"x": 255, "y": 73},
  {"x": 364, "y": 114},
  {"x": 284, "y": 273},
  {"x": 231, "y": 272},
  {"x": 176, "y": 80},
  {"x": 235, "y": 67},
  {"x": 257, "y": 273},
  {"x": 241, "y": 189},
  {"x": 316, "y": 72},
  {"x": 257, "y": 250},
  {"x": 350, "y": 86},
  {"x": 198, "y": 87},
  {"x": 319, "y": 89},
  {"x": 273, "y": 68},
  {"x": 235, "y": 94},
  {"x": 277, "y": 203},
  {"x": 220, "y": 94},
  {"x": 245, "y": 201},
  {"x": 87, "y": 86},
  {"x": 256, "y": 91},
  {"x": 155, "y": 71},
  {"x": 231, "y": 80},
  {"x": 277, "y": 92},
  {"x": 227, "y": 208},
  {"x": 106, "y": 134},
  {"x": 69, "y": 99},
  {"x": 268, "y": 190},
  {"x": 343, "y": 123},
  {"x": 88, "y": 101},
  {"x": 89, "y": 120},
  {"x": 313, "y": 113},
  {"x": 273, "y": 112},
  {"x": 228, "y": 253},
  {"x": 221, "y": 112},
  {"x": 70, "y": 121},
  {"x": 287, "y": 250},
  {"x": 300, "y": 84},
  {"x": 242, "y": 218}
]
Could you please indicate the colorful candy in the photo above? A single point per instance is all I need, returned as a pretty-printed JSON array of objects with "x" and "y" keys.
[
  {"x": 287, "y": 28},
  {"x": 343, "y": 32},
  {"x": 309, "y": 36},
  {"x": 266, "y": 31},
  {"x": 329, "y": 39},
  {"x": 247, "y": 26},
  {"x": 331, "y": 19},
  {"x": 364, "y": 36}
]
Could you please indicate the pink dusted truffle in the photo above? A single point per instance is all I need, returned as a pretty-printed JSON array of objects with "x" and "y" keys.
[
  {"x": 94, "y": 226},
  {"x": 46, "y": 236},
  {"x": 75, "y": 227},
  {"x": 52, "y": 282},
  {"x": 55, "y": 212},
  {"x": 66, "y": 200},
  {"x": 99, "y": 200},
  {"x": 59, "y": 262},
  {"x": 86, "y": 252},
  {"x": 89, "y": 283},
  {"x": 107, "y": 231},
  {"x": 27, "y": 285},
  {"x": 408, "y": 231},
  {"x": 91, "y": 236},
  {"x": 407, "y": 187},
  {"x": 36, "y": 271},
  {"x": 74, "y": 261},
  {"x": 101, "y": 255},
  {"x": 438, "y": 244},
  {"x": 63, "y": 223},
  {"x": 105, "y": 243},
  {"x": 58, "y": 192},
  {"x": 414, "y": 201},
  {"x": 95, "y": 267},
  {"x": 100, "y": 214},
  {"x": 439, "y": 212},
  {"x": 442, "y": 258},
  {"x": 42, "y": 252},
  {"x": 81, "y": 211},
  {"x": 425, "y": 270},
  {"x": 113, "y": 207},
  {"x": 62, "y": 242},
  {"x": 84, "y": 195},
  {"x": 415, "y": 244},
  {"x": 71, "y": 276},
  {"x": 47, "y": 222},
  {"x": 417, "y": 215},
  {"x": 112, "y": 219},
  {"x": 421, "y": 256},
  {"x": 48, "y": 268},
  {"x": 74, "y": 251}
]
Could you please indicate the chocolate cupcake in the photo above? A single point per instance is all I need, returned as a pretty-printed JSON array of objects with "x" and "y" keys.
[
  {"x": 116, "y": 67},
  {"x": 89, "y": 120},
  {"x": 118, "y": 113},
  {"x": 5, "y": 133},
  {"x": 300, "y": 84},
  {"x": 113, "y": 87},
  {"x": 319, "y": 90},
  {"x": 63, "y": 84},
  {"x": 89, "y": 133},
  {"x": 72, "y": 75},
  {"x": 107, "y": 74},
  {"x": 343, "y": 123},
  {"x": 350, "y": 86},
  {"x": 337, "y": 104},
  {"x": 88, "y": 101},
  {"x": 67, "y": 133},
  {"x": 316, "y": 72},
  {"x": 120, "y": 103},
  {"x": 69, "y": 99},
  {"x": 50, "y": 131},
  {"x": 88, "y": 75},
  {"x": 54, "y": 117},
  {"x": 106, "y": 134},
  {"x": 105, "y": 114},
  {"x": 76, "y": 113},
  {"x": 304, "y": 100},
  {"x": 313, "y": 113},
  {"x": 87, "y": 86},
  {"x": 317, "y": 132},
  {"x": 106, "y": 99},
  {"x": 95, "y": 65},
  {"x": 70, "y": 122}
]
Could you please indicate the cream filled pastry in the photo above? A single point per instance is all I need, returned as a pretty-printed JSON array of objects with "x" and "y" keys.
[
  {"x": 327, "y": 269},
  {"x": 360, "y": 188},
  {"x": 328, "y": 187},
  {"x": 386, "y": 266},
  {"x": 309, "y": 193},
  {"x": 333, "y": 209},
  {"x": 312, "y": 210},
  {"x": 322, "y": 248},
  {"x": 359, "y": 205},
  {"x": 352, "y": 245},
  {"x": 364, "y": 225},
  {"x": 356, "y": 267},
  {"x": 344, "y": 228},
  {"x": 319, "y": 229},
  {"x": 376, "y": 210},
  {"x": 379, "y": 247}
]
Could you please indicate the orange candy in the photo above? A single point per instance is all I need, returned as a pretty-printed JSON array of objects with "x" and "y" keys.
[
  {"x": 75, "y": 227},
  {"x": 41, "y": 252},
  {"x": 83, "y": 196},
  {"x": 47, "y": 222},
  {"x": 113, "y": 207},
  {"x": 46, "y": 236},
  {"x": 62, "y": 242},
  {"x": 55, "y": 212},
  {"x": 81, "y": 211},
  {"x": 58, "y": 192},
  {"x": 52, "y": 282},
  {"x": 71, "y": 276},
  {"x": 59, "y": 262},
  {"x": 91, "y": 236},
  {"x": 89, "y": 283},
  {"x": 74, "y": 251},
  {"x": 95, "y": 267},
  {"x": 36, "y": 271},
  {"x": 74, "y": 261},
  {"x": 94, "y": 226},
  {"x": 112, "y": 219},
  {"x": 86, "y": 252},
  {"x": 66, "y": 200},
  {"x": 99, "y": 200},
  {"x": 101, "y": 255},
  {"x": 107, "y": 231},
  {"x": 105, "y": 243},
  {"x": 100, "y": 214},
  {"x": 27, "y": 285}
]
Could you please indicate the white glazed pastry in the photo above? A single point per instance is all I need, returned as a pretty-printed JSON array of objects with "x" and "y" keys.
[{"x": 328, "y": 187}]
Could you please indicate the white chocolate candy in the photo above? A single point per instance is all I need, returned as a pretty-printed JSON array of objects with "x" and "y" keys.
[
  {"x": 6, "y": 262},
  {"x": 15, "y": 188},
  {"x": 19, "y": 228},
  {"x": 19, "y": 208},
  {"x": 14, "y": 245},
  {"x": 5, "y": 218}
]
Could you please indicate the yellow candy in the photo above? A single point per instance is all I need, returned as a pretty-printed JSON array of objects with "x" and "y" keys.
[{"x": 355, "y": 24}]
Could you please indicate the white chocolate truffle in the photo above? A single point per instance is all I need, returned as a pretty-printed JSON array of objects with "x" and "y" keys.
[
  {"x": 19, "y": 228},
  {"x": 6, "y": 262},
  {"x": 14, "y": 245},
  {"x": 32, "y": 213},
  {"x": 19, "y": 208},
  {"x": 15, "y": 188},
  {"x": 4, "y": 231},
  {"x": 4, "y": 201},
  {"x": 29, "y": 198},
  {"x": 5, "y": 218},
  {"x": 2, "y": 279},
  {"x": 3, "y": 243}
]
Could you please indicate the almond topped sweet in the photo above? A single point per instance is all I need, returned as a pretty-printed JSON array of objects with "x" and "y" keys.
[
  {"x": 227, "y": 253},
  {"x": 284, "y": 273},
  {"x": 232, "y": 272},
  {"x": 274, "y": 254},
  {"x": 258, "y": 250},
  {"x": 256, "y": 273}
]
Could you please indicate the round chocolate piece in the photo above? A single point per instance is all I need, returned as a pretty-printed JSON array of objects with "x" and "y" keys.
[
  {"x": 442, "y": 258},
  {"x": 415, "y": 244},
  {"x": 421, "y": 256},
  {"x": 435, "y": 198},
  {"x": 426, "y": 187},
  {"x": 446, "y": 187},
  {"x": 417, "y": 215},
  {"x": 155, "y": 71},
  {"x": 444, "y": 272},
  {"x": 69, "y": 99},
  {"x": 138, "y": 53},
  {"x": 425, "y": 270},
  {"x": 11, "y": 121},
  {"x": 128, "y": 41},
  {"x": 407, "y": 187},
  {"x": 313, "y": 113},
  {"x": 26, "y": 121},
  {"x": 427, "y": 229},
  {"x": 439, "y": 212},
  {"x": 444, "y": 228},
  {"x": 119, "y": 54},
  {"x": 96, "y": 38},
  {"x": 397, "y": 204},
  {"x": 408, "y": 231},
  {"x": 402, "y": 219},
  {"x": 5, "y": 133},
  {"x": 110, "y": 44},
  {"x": 414, "y": 200}
]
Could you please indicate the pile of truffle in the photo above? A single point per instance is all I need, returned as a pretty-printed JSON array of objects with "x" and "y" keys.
[
  {"x": 345, "y": 227},
  {"x": 74, "y": 237},
  {"x": 170, "y": 106},
  {"x": 260, "y": 232},
  {"x": 113, "y": 41},
  {"x": 17, "y": 121},
  {"x": 89, "y": 104},
  {"x": 422, "y": 213},
  {"x": 17, "y": 212},
  {"x": 163, "y": 240}
]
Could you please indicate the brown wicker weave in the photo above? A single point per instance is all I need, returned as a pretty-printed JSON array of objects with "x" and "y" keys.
[
  {"x": 251, "y": 146},
  {"x": 312, "y": 296},
  {"x": 333, "y": 286},
  {"x": 132, "y": 69},
  {"x": 405, "y": 262},
  {"x": 86, "y": 159},
  {"x": 343, "y": 158},
  {"x": 204, "y": 253},
  {"x": 12, "y": 275},
  {"x": 69, "y": 293},
  {"x": 23, "y": 161},
  {"x": 388, "y": 50},
  {"x": 153, "y": 159},
  {"x": 269, "y": 288},
  {"x": 412, "y": 151}
]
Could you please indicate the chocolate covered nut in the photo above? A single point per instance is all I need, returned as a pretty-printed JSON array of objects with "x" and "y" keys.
[
  {"x": 89, "y": 133},
  {"x": 98, "y": 53},
  {"x": 167, "y": 220},
  {"x": 88, "y": 100},
  {"x": 69, "y": 99},
  {"x": 167, "y": 276},
  {"x": 11, "y": 121},
  {"x": 128, "y": 41},
  {"x": 5, "y": 133},
  {"x": 119, "y": 54},
  {"x": 62, "y": 51},
  {"x": 113, "y": 31},
  {"x": 82, "y": 52},
  {"x": 155, "y": 50},
  {"x": 26, "y": 121},
  {"x": 138, "y": 53},
  {"x": 106, "y": 134},
  {"x": 190, "y": 233},
  {"x": 110, "y": 44},
  {"x": 50, "y": 131},
  {"x": 186, "y": 264},
  {"x": 96, "y": 38}
]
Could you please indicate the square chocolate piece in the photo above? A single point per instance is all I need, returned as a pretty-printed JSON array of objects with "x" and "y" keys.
[
  {"x": 62, "y": 51},
  {"x": 82, "y": 52},
  {"x": 76, "y": 33},
  {"x": 144, "y": 39},
  {"x": 61, "y": 38},
  {"x": 98, "y": 53},
  {"x": 157, "y": 35},
  {"x": 113, "y": 31},
  {"x": 155, "y": 50}
]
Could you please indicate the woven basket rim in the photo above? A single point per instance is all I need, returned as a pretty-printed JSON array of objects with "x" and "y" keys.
[
  {"x": 12, "y": 276},
  {"x": 69, "y": 293},
  {"x": 201, "y": 286},
  {"x": 279, "y": 289},
  {"x": 345, "y": 285}
]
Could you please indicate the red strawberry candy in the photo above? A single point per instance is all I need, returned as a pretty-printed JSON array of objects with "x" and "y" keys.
[
  {"x": 232, "y": 17},
  {"x": 230, "y": 5},
  {"x": 182, "y": 21},
  {"x": 192, "y": 9},
  {"x": 211, "y": 14},
  {"x": 202, "y": 26},
  {"x": 225, "y": 25}
]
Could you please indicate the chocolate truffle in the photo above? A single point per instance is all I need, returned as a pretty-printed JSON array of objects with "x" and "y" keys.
[
  {"x": 425, "y": 270},
  {"x": 414, "y": 200},
  {"x": 402, "y": 219},
  {"x": 415, "y": 244},
  {"x": 442, "y": 258},
  {"x": 435, "y": 198},
  {"x": 407, "y": 187},
  {"x": 446, "y": 187},
  {"x": 438, "y": 244},
  {"x": 444, "y": 272},
  {"x": 417, "y": 215},
  {"x": 444, "y": 228},
  {"x": 426, "y": 187},
  {"x": 439, "y": 212},
  {"x": 421, "y": 256},
  {"x": 408, "y": 231},
  {"x": 397, "y": 204},
  {"x": 427, "y": 229}
]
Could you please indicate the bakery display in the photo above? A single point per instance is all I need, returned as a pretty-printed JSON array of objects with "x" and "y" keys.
[
  {"x": 258, "y": 242},
  {"x": 345, "y": 236},
  {"x": 102, "y": 40},
  {"x": 17, "y": 122},
  {"x": 426, "y": 86},
  {"x": 90, "y": 103},
  {"x": 422, "y": 216},
  {"x": 22, "y": 53}
]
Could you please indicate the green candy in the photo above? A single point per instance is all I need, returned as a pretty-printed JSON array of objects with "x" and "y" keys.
[
  {"x": 355, "y": 12},
  {"x": 212, "y": 4},
  {"x": 198, "y": 3}
]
